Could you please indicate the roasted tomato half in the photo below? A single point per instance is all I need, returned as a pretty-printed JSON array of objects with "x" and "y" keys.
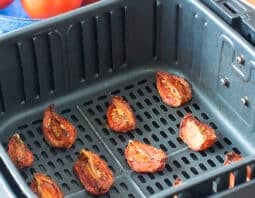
[
  {"x": 197, "y": 135},
  {"x": 19, "y": 153},
  {"x": 57, "y": 130},
  {"x": 234, "y": 157},
  {"x": 94, "y": 173},
  {"x": 120, "y": 116},
  {"x": 144, "y": 158},
  {"x": 45, "y": 187},
  {"x": 173, "y": 90}
]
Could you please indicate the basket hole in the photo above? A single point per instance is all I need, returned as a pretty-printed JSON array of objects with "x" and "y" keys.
[
  {"x": 202, "y": 166},
  {"x": 219, "y": 158},
  {"x": 120, "y": 151},
  {"x": 42, "y": 168},
  {"x": 129, "y": 87},
  {"x": 37, "y": 144},
  {"x": 204, "y": 116},
  {"x": 122, "y": 139},
  {"x": 171, "y": 130},
  {"x": 155, "y": 111},
  {"x": 168, "y": 168},
  {"x": 148, "y": 89},
  {"x": 74, "y": 118},
  {"x": 24, "y": 175},
  {"x": 193, "y": 156},
  {"x": 177, "y": 164},
  {"x": 65, "y": 111},
  {"x": 87, "y": 137},
  {"x": 171, "y": 117},
  {"x": 163, "y": 134},
  {"x": 151, "y": 176},
  {"x": 35, "y": 122},
  {"x": 146, "y": 141},
  {"x": 58, "y": 176},
  {"x": 179, "y": 140},
  {"x": 131, "y": 196},
  {"x": 115, "y": 92},
  {"x": 123, "y": 186},
  {"x": 155, "y": 98},
  {"x": 139, "y": 105},
  {"x": 66, "y": 187},
  {"x": 147, "y": 128},
  {"x": 81, "y": 128},
  {"x": 196, "y": 106},
  {"x": 95, "y": 148},
  {"x": 24, "y": 126},
  {"x": 74, "y": 183},
  {"x": 69, "y": 158},
  {"x": 213, "y": 125},
  {"x": 80, "y": 142},
  {"x": 102, "y": 97},
  {"x": 53, "y": 151},
  {"x": 141, "y": 178},
  {"x": 90, "y": 111},
  {"x": 163, "y": 121},
  {"x": 236, "y": 150},
  {"x": 159, "y": 186},
  {"x": 211, "y": 163},
  {"x": 148, "y": 102},
  {"x": 203, "y": 154},
  {"x": 180, "y": 114},
  {"x": 188, "y": 110},
  {"x": 113, "y": 141},
  {"x": 115, "y": 190},
  {"x": 185, "y": 174},
  {"x": 44, "y": 155},
  {"x": 105, "y": 131},
  {"x": 155, "y": 124},
  {"x": 32, "y": 170},
  {"x": 99, "y": 109},
  {"x": 31, "y": 134},
  {"x": 163, "y": 147},
  {"x": 150, "y": 190},
  {"x": 130, "y": 135},
  {"x": 147, "y": 115},
  {"x": 139, "y": 118},
  {"x": 60, "y": 162},
  {"x": 171, "y": 144},
  {"x": 227, "y": 141},
  {"x": 142, "y": 82},
  {"x": 163, "y": 107},
  {"x": 219, "y": 145},
  {"x": 194, "y": 171},
  {"x": 98, "y": 121},
  {"x": 185, "y": 160},
  {"x": 106, "y": 104},
  {"x": 139, "y": 132},
  {"x": 90, "y": 102},
  {"x": 29, "y": 146},
  {"x": 140, "y": 92},
  {"x": 132, "y": 96},
  {"x": 154, "y": 137},
  {"x": 168, "y": 182},
  {"x": 67, "y": 172}
]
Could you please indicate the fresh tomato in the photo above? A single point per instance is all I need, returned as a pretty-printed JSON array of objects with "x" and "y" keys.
[
  {"x": 4, "y": 3},
  {"x": 47, "y": 8},
  {"x": 86, "y": 2}
]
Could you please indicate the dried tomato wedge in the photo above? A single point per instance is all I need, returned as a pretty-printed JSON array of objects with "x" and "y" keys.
[
  {"x": 19, "y": 153},
  {"x": 93, "y": 172},
  {"x": 173, "y": 90},
  {"x": 45, "y": 187},
  {"x": 197, "y": 135},
  {"x": 144, "y": 158},
  {"x": 57, "y": 130},
  {"x": 120, "y": 116},
  {"x": 234, "y": 157}
]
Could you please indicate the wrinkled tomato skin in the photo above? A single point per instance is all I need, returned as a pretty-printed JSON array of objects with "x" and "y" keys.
[
  {"x": 39, "y": 9},
  {"x": 120, "y": 116},
  {"x": 234, "y": 157},
  {"x": 197, "y": 135},
  {"x": 173, "y": 90},
  {"x": 45, "y": 187},
  {"x": 5, "y": 3},
  {"x": 144, "y": 158},
  {"x": 19, "y": 153},
  {"x": 57, "y": 130},
  {"x": 94, "y": 173}
]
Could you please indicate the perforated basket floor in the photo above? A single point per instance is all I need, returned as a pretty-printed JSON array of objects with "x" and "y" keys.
[{"x": 157, "y": 125}]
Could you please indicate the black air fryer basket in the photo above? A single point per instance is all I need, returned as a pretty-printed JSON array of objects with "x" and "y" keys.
[{"x": 79, "y": 60}]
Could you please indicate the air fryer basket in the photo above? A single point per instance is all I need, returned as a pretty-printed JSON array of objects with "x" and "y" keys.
[{"x": 79, "y": 60}]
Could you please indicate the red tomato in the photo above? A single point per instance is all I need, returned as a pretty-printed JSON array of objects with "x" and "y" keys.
[
  {"x": 48, "y": 8},
  {"x": 4, "y": 3},
  {"x": 86, "y": 2}
]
